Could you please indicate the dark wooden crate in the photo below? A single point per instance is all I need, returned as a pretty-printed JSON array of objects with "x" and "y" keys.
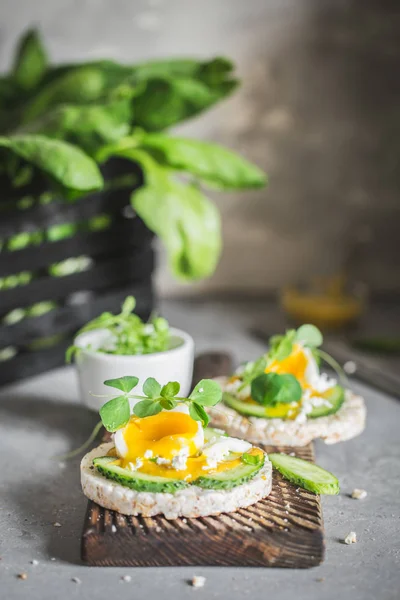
[{"x": 122, "y": 262}]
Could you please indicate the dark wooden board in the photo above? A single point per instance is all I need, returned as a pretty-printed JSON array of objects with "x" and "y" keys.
[{"x": 283, "y": 530}]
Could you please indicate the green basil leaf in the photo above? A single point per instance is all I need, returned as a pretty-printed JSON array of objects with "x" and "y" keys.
[
  {"x": 207, "y": 392},
  {"x": 90, "y": 127},
  {"x": 68, "y": 165},
  {"x": 186, "y": 221},
  {"x": 147, "y": 408},
  {"x": 30, "y": 62},
  {"x": 198, "y": 413},
  {"x": 212, "y": 163},
  {"x": 115, "y": 413},
  {"x": 165, "y": 101},
  {"x": 171, "y": 389},
  {"x": 309, "y": 335},
  {"x": 250, "y": 459},
  {"x": 151, "y": 388},
  {"x": 125, "y": 384},
  {"x": 270, "y": 388}
]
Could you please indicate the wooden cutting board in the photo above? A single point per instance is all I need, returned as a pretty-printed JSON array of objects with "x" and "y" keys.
[{"x": 283, "y": 530}]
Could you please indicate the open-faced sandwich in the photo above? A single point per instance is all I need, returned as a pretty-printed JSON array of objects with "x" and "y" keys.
[
  {"x": 164, "y": 460},
  {"x": 284, "y": 399}
]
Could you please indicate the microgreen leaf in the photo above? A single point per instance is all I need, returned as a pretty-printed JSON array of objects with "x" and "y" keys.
[
  {"x": 129, "y": 305},
  {"x": 125, "y": 384},
  {"x": 198, "y": 413},
  {"x": 251, "y": 459},
  {"x": 168, "y": 403},
  {"x": 170, "y": 390},
  {"x": 309, "y": 335},
  {"x": 207, "y": 392},
  {"x": 253, "y": 370},
  {"x": 151, "y": 388},
  {"x": 147, "y": 408},
  {"x": 281, "y": 346},
  {"x": 271, "y": 388},
  {"x": 115, "y": 413}
]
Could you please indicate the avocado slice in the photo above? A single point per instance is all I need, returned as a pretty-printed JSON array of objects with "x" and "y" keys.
[
  {"x": 230, "y": 478},
  {"x": 335, "y": 396},
  {"x": 141, "y": 482},
  {"x": 258, "y": 410}
]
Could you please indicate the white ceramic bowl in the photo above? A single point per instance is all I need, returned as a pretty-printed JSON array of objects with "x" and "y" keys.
[{"x": 94, "y": 367}]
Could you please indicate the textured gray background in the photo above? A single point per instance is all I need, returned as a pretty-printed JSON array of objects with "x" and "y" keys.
[{"x": 319, "y": 110}]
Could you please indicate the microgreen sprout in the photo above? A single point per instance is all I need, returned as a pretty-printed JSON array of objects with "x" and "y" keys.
[
  {"x": 128, "y": 333},
  {"x": 116, "y": 412}
]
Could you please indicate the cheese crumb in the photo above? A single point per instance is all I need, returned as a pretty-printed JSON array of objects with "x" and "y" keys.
[
  {"x": 148, "y": 454},
  {"x": 358, "y": 494},
  {"x": 351, "y": 538},
  {"x": 126, "y": 578},
  {"x": 22, "y": 576},
  {"x": 198, "y": 581},
  {"x": 350, "y": 367},
  {"x": 57, "y": 524},
  {"x": 113, "y": 529},
  {"x": 34, "y": 562},
  {"x": 162, "y": 461}
]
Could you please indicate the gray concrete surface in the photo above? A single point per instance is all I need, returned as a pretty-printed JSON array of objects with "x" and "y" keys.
[{"x": 41, "y": 418}]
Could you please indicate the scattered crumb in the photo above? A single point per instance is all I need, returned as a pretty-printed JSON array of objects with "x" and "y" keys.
[
  {"x": 184, "y": 520},
  {"x": 22, "y": 576},
  {"x": 350, "y": 367},
  {"x": 34, "y": 562},
  {"x": 198, "y": 581},
  {"x": 320, "y": 579},
  {"x": 126, "y": 578},
  {"x": 113, "y": 529},
  {"x": 158, "y": 529},
  {"x": 358, "y": 494},
  {"x": 351, "y": 538},
  {"x": 57, "y": 524},
  {"x": 76, "y": 580},
  {"x": 52, "y": 558}
]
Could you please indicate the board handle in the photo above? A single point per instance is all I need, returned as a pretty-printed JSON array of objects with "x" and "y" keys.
[{"x": 212, "y": 364}]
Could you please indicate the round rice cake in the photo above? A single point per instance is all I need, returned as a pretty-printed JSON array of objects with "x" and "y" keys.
[
  {"x": 190, "y": 502},
  {"x": 346, "y": 423}
]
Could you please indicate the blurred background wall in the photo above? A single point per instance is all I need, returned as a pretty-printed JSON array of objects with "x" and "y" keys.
[{"x": 318, "y": 110}]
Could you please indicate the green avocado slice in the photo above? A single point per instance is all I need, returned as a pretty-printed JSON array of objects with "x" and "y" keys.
[{"x": 141, "y": 482}]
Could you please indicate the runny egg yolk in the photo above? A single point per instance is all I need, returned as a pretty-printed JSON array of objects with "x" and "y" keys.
[
  {"x": 163, "y": 435},
  {"x": 295, "y": 364}
]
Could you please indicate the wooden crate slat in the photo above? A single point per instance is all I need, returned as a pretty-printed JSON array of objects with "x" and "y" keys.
[
  {"x": 67, "y": 319},
  {"x": 125, "y": 235},
  {"x": 54, "y": 213},
  {"x": 106, "y": 273}
]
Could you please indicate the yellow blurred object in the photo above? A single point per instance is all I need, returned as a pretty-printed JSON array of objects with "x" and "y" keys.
[{"x": 326, "y": 303}]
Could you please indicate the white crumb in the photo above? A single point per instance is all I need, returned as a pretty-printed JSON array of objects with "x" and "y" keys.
[
  {"x": 351, "y": 538},
  {"x": 358, "y": 494},
  {"x": 34, "y": 562},
  {"x": 198, "y": 581},
  {"x": 57, "y": 524},
  {"x": 126, "y": 578},
  {"x": 113, "y": 529},
  {"x": 350, "y": 367},
  {"x": 76, "y": 580}
]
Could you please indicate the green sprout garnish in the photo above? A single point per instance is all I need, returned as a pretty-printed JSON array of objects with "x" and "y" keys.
[
  {"x": 130, "y": 335},
  {"x": 268, "y": 388},
  {"x": 116, "y": 412}
]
